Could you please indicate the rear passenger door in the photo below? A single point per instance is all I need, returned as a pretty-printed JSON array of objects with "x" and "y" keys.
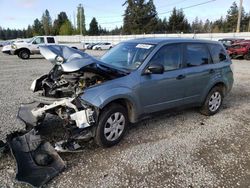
[{"x": 198, "y": 71}]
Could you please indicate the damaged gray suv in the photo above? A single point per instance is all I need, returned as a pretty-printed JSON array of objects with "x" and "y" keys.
[{"x": 99, "y": 98}]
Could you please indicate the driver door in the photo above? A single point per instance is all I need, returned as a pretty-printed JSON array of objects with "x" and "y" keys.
[
  {"x": 167, "y": 90},
  {"x": 36, "y": 43}
]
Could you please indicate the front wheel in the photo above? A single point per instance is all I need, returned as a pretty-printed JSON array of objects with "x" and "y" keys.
[
  {"x": 24, "y": 54},
  {"x": 112, "y": 125},
  {"x": 213, "y": 101}
]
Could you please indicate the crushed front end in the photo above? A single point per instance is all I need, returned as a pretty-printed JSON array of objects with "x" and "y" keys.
[{"x": 77, "y": 118}]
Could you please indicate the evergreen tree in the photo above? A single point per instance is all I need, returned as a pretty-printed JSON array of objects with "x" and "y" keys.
[
  {"x": 37, "y": 27},
  {"x": 2, "y": 37},
  {"x": 197, "y": 25},
  {"x": 28, "y": 33},
  {"x": 244, "y": 21},
  {"x": 177, "y": 22},
  {"x": 81, "y": 26},
  {"x": 47, "y": 23},
  {"x": 140, "y": 17},
  {"x": 207, "y": 26},
  {"x": 231, "y": 18},
  {"x": 93, "y": 27},
  {"x": 66, "y": 28},
  {"x": 219, "y": 26},
  {"x": 162, "y": 26},
  {"x": 61, "y": 19},
  {"x": 116, "y": 31}
]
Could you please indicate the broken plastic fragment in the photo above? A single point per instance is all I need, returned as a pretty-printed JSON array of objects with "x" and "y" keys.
[
  {"x": 25, "y": 114},
  {"x": 3, "y": 147},
  {"x": 37, "y": 161},
  {"x": 68, "y": 146}
]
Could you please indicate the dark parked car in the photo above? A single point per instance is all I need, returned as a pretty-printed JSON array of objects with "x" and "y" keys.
[
  {"x": 99, "y": 98},
  {"x": 239, "y": 50}
]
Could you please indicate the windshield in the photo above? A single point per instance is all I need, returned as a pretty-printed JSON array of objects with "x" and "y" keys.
[
  {"x": 128, "y": 56},
  {"x": 30, "y": 40}
]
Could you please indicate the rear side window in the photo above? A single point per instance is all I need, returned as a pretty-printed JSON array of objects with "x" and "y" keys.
[
  {"x": 169, "y": 56},
  {"x": 50, "y": 40},
  {"x": 218, "y": 53},
  {"x": 196, "y": 54}
]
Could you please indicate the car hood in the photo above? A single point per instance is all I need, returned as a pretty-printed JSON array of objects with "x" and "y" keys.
[{"x": 73, "y": 60}]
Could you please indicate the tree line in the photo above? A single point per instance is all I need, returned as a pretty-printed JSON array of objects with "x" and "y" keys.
[{"x": 140, "y": 17}]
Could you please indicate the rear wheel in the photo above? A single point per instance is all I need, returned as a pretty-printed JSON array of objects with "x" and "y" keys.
[
  {"x": 232, "y": 56},
  {"x": 247, "y": 56},
  {"x": 112, "y": 125},
  {"x": 24, "y": 54},
  {"x": 213, "y": 101}
]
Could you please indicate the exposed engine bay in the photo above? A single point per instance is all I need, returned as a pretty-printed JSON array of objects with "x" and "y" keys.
[{"x": 59, "y": 84}]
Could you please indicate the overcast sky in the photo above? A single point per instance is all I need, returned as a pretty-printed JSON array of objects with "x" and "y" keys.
[{"x": 20, "y": 13}]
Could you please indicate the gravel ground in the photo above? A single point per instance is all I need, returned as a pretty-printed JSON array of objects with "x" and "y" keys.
[{"x": 177, "y": 149}]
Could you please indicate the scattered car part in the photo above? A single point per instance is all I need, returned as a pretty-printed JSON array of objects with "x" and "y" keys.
[
  {"x": 67, "y": 146},
  {"x": 3, "y": 147},
  {"x": 37, "y": 161}
]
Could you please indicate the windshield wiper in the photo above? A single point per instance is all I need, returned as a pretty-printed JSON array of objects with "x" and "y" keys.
[{"x": 123, "y": 71}]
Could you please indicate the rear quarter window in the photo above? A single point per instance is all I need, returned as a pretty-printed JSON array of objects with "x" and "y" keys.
[
  {"x": 50, "y": 40},
  {"x": 218, "y": 53}
]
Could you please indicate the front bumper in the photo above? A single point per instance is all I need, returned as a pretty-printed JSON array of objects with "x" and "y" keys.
[
  {"x": 32, "y": 114},
  {"x": 7, "y": 52}
]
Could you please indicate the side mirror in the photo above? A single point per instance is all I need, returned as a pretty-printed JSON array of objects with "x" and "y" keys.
[{"x": 155, "y": 69}]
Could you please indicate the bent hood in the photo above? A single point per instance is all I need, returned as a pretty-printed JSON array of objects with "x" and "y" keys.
[{"x": 74, "y": 59}]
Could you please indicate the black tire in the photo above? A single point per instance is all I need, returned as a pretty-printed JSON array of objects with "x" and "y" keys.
[
  {"x": 233, "y": 56},
  {"x": 206, "y": 109},
  {"x": 247, "y": 56},
  {"x": 24, "y": 54},
  {"x": 101, "y": 138}
]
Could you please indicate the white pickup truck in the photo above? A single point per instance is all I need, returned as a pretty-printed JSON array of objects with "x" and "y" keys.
[{"x": 31, "y": 47}]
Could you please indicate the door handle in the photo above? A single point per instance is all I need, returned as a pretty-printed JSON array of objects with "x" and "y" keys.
[
  {"x": 180, "y": 77},
  {"x": 212, "y": 71}
]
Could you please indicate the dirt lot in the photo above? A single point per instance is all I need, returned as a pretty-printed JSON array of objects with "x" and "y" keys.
[{"x": 180, "y": 149}]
